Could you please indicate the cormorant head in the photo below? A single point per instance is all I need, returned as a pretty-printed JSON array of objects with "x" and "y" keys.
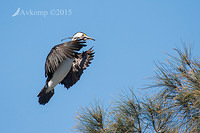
[{"x": 79, "y": 36}]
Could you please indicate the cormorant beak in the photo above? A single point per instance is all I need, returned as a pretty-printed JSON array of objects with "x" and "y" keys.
[{"x": 90, "y": 38}]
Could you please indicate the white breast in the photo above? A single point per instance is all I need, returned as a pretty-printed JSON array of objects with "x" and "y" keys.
[{"x": 60, "y": 74}]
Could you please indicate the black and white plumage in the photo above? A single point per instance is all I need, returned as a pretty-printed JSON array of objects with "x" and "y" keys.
[{"x": 65, "y": 65}]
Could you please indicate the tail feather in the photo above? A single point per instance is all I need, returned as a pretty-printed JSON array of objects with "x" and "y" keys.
[{"x": 44, "y": 96}]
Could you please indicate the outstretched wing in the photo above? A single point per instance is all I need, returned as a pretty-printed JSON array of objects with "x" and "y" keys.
[
  {"x": 59, "y": 53},
  {"x": 81, "y": 61}
]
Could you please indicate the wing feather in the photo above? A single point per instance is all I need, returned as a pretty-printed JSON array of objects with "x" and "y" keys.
[
  {"x": 81, "y": 62},
  {"x": 59, "y": 53}
]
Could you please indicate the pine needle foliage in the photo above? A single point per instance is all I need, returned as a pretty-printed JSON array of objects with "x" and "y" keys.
[
  {"x": 178, "y": 82},
  {"x": 91, "y": 119},
  {"x": 175, "y": 107}
]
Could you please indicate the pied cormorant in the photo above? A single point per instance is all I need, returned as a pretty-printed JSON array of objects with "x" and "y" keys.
[{"x": 65, "y": 65}]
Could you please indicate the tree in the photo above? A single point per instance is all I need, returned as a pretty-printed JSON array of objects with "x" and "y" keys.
[
  {"x": 174, "y": 109},
  {"x": 180, "y": 83}
]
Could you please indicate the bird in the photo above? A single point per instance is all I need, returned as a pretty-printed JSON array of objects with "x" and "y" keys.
[{"x": 65, "y": 65}]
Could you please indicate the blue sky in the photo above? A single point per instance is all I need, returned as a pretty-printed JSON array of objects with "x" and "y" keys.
[{"x": 130, "y": 37}]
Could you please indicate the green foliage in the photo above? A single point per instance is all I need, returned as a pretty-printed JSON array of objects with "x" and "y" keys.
[
  {"x": 174, "y": 109},
  {"x": 180, "y": 83},
  {"x": 91, "y": 119},
  {"x": 127, "y": 115}
]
